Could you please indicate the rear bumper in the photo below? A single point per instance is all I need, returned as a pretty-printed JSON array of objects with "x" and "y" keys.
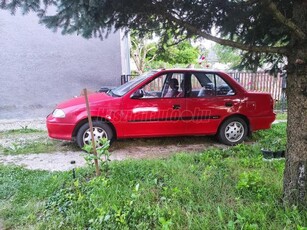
[
  {"x": 59, "y": 130},
  {"x": 264, "y": 122}
]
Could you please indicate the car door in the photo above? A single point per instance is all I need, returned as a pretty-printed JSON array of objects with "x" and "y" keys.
[
  {"x": 154, "y": 113},
  {"x": 210, "y": 101}
]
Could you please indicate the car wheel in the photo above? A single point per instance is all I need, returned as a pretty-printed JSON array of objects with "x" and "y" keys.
[
  {"x": 233, "y": 131},
  {"x": 100, "y": 130}
]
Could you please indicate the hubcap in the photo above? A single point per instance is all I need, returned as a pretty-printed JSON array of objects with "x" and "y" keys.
[
  {"x": 234, "y": 131},
  {"x": 98, "y": 134}
]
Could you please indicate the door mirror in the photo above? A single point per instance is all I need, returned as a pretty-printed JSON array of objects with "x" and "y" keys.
[{"x": 138, "y": 94}]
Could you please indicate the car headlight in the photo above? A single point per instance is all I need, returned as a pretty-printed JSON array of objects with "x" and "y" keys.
[{"x": 58, "y": 113}]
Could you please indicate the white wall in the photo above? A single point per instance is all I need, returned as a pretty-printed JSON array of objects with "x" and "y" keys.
[{"x": 39, "y": 68}]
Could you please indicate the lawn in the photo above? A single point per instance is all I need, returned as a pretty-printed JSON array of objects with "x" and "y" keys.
[{"x": 230, "y": 188}]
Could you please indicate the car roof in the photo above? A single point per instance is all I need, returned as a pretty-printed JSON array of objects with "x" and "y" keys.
[{"x": 191, "y": 70}]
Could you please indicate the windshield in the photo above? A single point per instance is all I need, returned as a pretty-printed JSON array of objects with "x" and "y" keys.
[{"x": 125, "y": 88}]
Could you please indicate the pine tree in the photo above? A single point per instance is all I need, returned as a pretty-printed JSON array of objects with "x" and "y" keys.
[{"x": 263, "y": 29}]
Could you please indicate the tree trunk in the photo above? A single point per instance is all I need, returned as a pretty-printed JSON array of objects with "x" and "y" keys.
[{"x": 295, "y": 175}]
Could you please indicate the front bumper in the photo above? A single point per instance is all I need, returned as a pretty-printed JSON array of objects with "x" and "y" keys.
[{"x": 58, "y": 129}]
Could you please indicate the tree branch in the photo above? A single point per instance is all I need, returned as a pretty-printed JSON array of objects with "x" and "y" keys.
[
  {"x": 258, "y": 49},
  {"x": 285, "y": 21}
]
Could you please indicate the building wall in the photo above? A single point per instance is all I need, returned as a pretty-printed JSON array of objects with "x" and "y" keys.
[{"x": 39, "y": 68}]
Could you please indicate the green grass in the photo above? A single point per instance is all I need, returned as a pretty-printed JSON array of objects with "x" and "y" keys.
[
  {"x": 281, "y": 116},
  {"x": 21, "y": 131},
  {"x": 23, "y": 194},
  {"x": 36, "y": 147},
  {"x": 227, "y": 189},
  {"x": 31, "y": 141},
  {"x": 44, "y": 146},
  {"x": 274, "y": 139},
  {"x": 217, "y": 189}
]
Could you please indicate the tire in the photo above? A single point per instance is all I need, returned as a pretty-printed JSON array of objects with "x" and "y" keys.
[
  {"x": 233, "y": 131},
  {"x": 100, "y": 129}
]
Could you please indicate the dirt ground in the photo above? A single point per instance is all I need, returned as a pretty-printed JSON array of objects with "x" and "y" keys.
[{"x": 120, "y": 149}]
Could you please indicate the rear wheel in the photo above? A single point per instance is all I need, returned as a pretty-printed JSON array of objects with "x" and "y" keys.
[
  {"x": 233, "y": 131},
  {"x": 100, "y": 130}
]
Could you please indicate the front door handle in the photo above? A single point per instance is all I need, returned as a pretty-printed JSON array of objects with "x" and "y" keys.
[
  {"x": 228, "y": 104},
  {"x": 176, "y": 106}
]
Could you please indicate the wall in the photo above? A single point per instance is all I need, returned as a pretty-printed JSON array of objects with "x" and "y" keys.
[{"x": 39, "y": 68}]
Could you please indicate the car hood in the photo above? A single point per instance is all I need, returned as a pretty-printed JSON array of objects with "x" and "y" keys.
[{"x": 80, "y": 100}]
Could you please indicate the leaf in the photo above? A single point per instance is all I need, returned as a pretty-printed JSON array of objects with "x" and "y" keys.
[
  {"x": 137, "y": 187},
  {"x": 220, "y": 214}
]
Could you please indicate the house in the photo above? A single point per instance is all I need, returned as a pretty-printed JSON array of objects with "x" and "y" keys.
[{"x": 39, "y": 68}]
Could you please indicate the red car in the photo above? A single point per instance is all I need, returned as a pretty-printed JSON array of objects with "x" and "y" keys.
[{"x": 172, "y": 102}]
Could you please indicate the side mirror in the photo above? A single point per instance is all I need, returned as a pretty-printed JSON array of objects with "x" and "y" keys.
[{"x": 138, "y": 94}]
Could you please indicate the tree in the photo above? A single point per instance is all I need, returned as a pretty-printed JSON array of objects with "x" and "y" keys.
[
  {"x": 228, "y": 55},
  {"x": 144, "y": 51},
  {"x": 139, "y": 52},
  {"x": 260, "y": 28},
  {"x": 173, "y": 53}
]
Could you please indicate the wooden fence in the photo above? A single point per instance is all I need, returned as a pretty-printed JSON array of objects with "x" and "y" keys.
[{"x": 261, "y": 82}]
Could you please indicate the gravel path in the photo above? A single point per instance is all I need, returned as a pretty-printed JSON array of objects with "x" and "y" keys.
[{"x": 61, "y": 161}]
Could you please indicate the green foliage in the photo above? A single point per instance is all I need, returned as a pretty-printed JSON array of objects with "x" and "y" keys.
[
  {"x": 31, "y": 141},
  {"x": 103, "y": 154},
  {"x": 23, "y": 130},
  {"x": 249, "y": 25},
  {"x": 182, "y": 53},
  {"x": 281, "y": 116},
  {"x": 228, "y": 55},
  {"x": 158, "y": 65},
  {"x": 41, "y": 146},
  {"x": 148, "y": 54},
  {"x": 275, "y": 139},
  {"x": 22, "y": 194},
  {"x": 251, "y": 182},
  {"x": 184, "y": 191}
]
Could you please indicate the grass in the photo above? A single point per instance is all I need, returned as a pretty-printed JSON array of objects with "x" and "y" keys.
[
  {"x": 21, "y": 131},
  {"x": 274, "y": 139},
  {"x": 216, "y": 189},
  {"x": 31, "y": 141},
  {"x": 23, "y": 194},
  {"x": 36, "y": 147},
  {"x": 281, "y": 116},
  {"x": 43, "y": 146}
]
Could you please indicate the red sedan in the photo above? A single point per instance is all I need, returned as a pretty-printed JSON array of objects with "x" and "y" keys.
[{"x": 172, "y": 102}]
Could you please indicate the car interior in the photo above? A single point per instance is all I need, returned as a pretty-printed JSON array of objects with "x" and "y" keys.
[{"x": 198, "y": 84}]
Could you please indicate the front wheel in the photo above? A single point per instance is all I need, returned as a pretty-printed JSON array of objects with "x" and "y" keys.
[
  {"x": 100, "y": 130},
  {"x": 233, "y": 131}
]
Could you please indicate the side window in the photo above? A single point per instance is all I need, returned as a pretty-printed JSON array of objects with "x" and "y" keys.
[
  {"x": 222, "y": 88},
  {"x": 154, "y": 88},
  {"x": 174, "y": 85},
  {"x": 196, "y": 86},
  {"x": 214, "y": 85}
]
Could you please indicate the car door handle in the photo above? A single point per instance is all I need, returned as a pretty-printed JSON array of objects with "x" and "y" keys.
[
  {"x": 228, "y": 104},
  {"x": 176, "y": 106}
]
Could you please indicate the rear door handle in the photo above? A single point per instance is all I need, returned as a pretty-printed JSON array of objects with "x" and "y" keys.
[
  {"x": 228, "y": 104},
  {"x": 176, "y": 106}
]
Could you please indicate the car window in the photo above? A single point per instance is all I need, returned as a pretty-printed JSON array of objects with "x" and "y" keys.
[
  {"x": 222, "y": 88},
  {"x": 174, "y": 85},
  {"x": 164, "y": 86},
  {"x": 209, "y": 85},
  {"x": 196, "y": 86},
  {"x": 154, "y": 88},
  {"x": 125, "y": 88}
]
